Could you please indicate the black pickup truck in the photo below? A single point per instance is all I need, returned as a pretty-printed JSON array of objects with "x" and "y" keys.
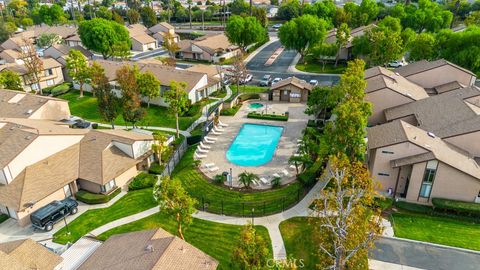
[{"x": 45, "y": 217}]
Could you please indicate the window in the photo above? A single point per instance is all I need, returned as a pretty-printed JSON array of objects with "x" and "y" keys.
[
  {"x": 384, "y": 174},
  {"x": 428, "y": 178},
  {"x": 388, "y": 152},
  {"x": 34, "y": 86},
  {"x": 48, "y": 72},
  {"x": 50, "y": 82},
  {"x": 108, "y": 186}
]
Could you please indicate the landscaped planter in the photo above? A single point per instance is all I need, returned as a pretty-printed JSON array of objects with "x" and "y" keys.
[{"x": 274, "y": 117}]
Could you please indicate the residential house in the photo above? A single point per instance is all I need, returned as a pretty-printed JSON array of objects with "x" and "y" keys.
[
  {"x": 198, "y": 84},
  {"x": 10, "y": 56},
  {"x": 74, "y": 41},
  {"x": 59, "y": 52},
  {"x": 52, "y": 74},
  {"x": 145, "y": 250},
  {"x": 291, "y": 90},
  {"x": 159, "y": 31},
  {"x": 17, "y": 104},
  {"x": 212, "y": 48},
  {"x": 346, "y": 51},
  {"x": 16, "y": 43},
  {"x": 141, "y": 41},
  {"x": 42, "y": 161},
  {"x": 28, "y": 254}
]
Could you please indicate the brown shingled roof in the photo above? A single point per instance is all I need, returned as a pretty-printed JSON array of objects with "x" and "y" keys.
[
  {"x": 424, "y": 65},
  {"x": 151, "y": 249},
  {"x": 27, "y": 254},
  {"x": 22, "y": 105},
  {"x": 294, "y": 81}
]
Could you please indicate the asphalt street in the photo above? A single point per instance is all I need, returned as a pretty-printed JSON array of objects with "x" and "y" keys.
[{"x": 424, "y": 256}]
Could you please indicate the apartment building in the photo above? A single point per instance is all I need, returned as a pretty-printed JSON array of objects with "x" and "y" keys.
[{"x": 212, "y": 48}]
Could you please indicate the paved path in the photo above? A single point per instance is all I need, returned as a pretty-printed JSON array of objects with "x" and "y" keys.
[{"x": 183, "y": 132}]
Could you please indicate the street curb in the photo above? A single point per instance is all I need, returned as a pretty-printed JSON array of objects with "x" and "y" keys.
[
  {"x": 433, "y": 244},
  {"x": 259, "y": 49}
]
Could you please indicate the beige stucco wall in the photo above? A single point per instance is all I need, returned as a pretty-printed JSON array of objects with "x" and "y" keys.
[
  {"x": 89, "y": 186},
  {"x": 52, "y": 110},
  {"x": 277, "y": 93},
  {"x": 57, "y": 78},
  {"x": 416, "y": 178},
  {"x": 381, "y": 100},
  {"x": 468, "y": 142},
  {"x": 441, "y": 75},
  {"x": 24, "y": 216},
  {"x": 124, "y": 178},
  {"x": 380, "y": 162}
]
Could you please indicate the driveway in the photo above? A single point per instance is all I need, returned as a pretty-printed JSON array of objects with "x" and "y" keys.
[{"x": 424, "y": 256}]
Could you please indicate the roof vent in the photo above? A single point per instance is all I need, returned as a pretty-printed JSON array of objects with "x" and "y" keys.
[
  {"x": 28, "y": 137},
  {"x": 149, "y": 248},
  {"x": 183, "y": 249},
  {"x": 430, "y": 134},
  {"x": 427, "y": 146},
  {"x": 396, "y": 73},
  {"x": 30, "y": 111}
]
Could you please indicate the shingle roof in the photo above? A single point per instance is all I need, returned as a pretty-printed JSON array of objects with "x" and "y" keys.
[
  {"x": 449, "y": 114},
  {"x": 22, "y": 70},
  {"x": 65, "y": 49},
  {"x": 209, "y": 43},
  {"x": 17, "y": 104},
  {"x": 380, "y": 78},
  {"x": 294, "y": 81},
  {"x": 63, "y": 31},
  {"x": 10, "y": 53},
  {"x": 27, "y": 254},
  {"x": 139, "y": 33},
  {"x": 424, "y": 65},
  {"x": 386, "y": 134},
  {"x": 151, "y": 249},
  {"x": 159, "y": 27}
]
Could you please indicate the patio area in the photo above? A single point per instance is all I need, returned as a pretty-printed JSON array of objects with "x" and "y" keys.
[{"x": 214, "y": 160}]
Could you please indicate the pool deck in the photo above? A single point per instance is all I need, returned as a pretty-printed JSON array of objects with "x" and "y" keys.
[{"x": 286, "y": 147}]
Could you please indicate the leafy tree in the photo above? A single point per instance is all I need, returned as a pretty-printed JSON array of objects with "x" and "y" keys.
[
  {"x": 33, "y": 63},
  {"x": 244, "y": 31},
  {"x": 261, "y": 15},
  {"x": 159, "y": 147},
  {"x": 109, "y": 105},
  {"x": 408, "y": 35},
  {"x": 251, "y": 251},
  {"x": 149, "y": 18},
  {"x": 367, "y": 11},
  {"x": 52, "y": 15},
  {"x": 175, "y": 201},
  {"x": 181, "y": 14},
  {"x": 78, "y": 70},
  {"x": 379, "y": 46},
  {"x": 324, "y": 52},
  {"x": 148, "y": 86},
  {"x": 133, "y": 16},
  {"x": 107, "y": 3},
  {"x": 429, "y": 16},
  {"x": 391, "y": 23},
  {"x": 117, "y": 18},
  {"x": 345, "y": 238},
  {"x": 97, "y": 74},
  {"x": 325, "y": 9},
  {"x": 423, "y": 47},
  {"x": 6, "y": 29},
  {"x": 288, "y": 10},
  {"x": 247, "y": 178},
  {"x": 103, "y": 36},
  {"x": 10, "y": 80},
  {"x": 170, "y": 45},
  {"x": 127, "y": 80},
  {"x": 104, "y": 13},
  {"x": 473, "y": 18},
  {"x": 302, "y": 32},
  {"x": 48, "y": 39},
  {"x": 342, "y": 36},
  {"x": 18, "y": 8},
  {"x": 177, "y": 100},
  {"x": 322, "y": 99},
  {"x": 239, "y": 7}
]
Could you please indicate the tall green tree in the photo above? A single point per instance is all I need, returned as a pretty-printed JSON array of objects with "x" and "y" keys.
[
  {"x": 133, "y": 16},
  {"x": 159, "y": 147},
  {"x": 247, "y": 178},
  {"x": 177, "y": 100},
  {"x": 302, "y": 32},
  {"x": 244, "y": 31},
  {"x": 429, "y": 16},
  {"x": 10, "y": 80},
  {"x": 149, "y": 18},
  {"x": 423, "y": 47},
  {"x": 103, "y": 36},
  {"x": 109, "y": 105},
  {"x": 379, "y": 46},
  {"x": 289, "y": 10},
  {"x": 6, "y": 30},
  {"x": 342, "y": 36},
  {"x": 251, "y": 251},
  {"x": 48, "y": 39},
  {"x": 148, "y": 86},
  {"x": 127, "y": 80},
  {"x": 175, "y": 201},
  {"x": 78, "y": 69}
]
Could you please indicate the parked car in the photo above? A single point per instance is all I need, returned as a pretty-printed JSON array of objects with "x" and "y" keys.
[
  {"x": 276, "y": 80},
  {"x": 266, "y": 80},
  {"x": 313, "y": 82},
  {"x": 248, "y": 78},
  {"x": 45, "y": 217},
  {"x": 277, "y": 26},
  {"x": 80, "y": 123},
  {"x": 396, "y": 64}
]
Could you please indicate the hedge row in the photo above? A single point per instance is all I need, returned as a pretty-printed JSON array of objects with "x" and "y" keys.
[
  {"x": 248, "y": 96},
  {"x": 275, "y": 117},
  {"x": 309, "y": 176},
  {"x": 458, "y": 207},
  {"x": 57, "y": 90},
  {"x": 94, "y": 198},
  {"x": 143, "y": 180},
  {"x": 155, "y": 168},
  {"x": 230, "y": 112}
]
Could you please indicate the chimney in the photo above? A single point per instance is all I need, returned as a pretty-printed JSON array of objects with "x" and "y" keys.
[{"x": 149, "y": 248}]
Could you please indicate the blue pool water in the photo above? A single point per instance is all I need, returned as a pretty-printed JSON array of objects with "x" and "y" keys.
[
  {"x": 256, "y": 105},
  {"x": 254, "y": 145}
]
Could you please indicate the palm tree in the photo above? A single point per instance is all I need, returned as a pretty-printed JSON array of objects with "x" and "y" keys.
[
  {"x": 247, "y": 178},
  {"x": 158, "y": 147},
  {"x": 276, "y": 181}
]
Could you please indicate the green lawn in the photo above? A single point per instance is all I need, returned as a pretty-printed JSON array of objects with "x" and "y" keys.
[
  {"x": 133, "y": 202},
  {"x": 87, "y": 108},
  {"x": 216, "y": 239},
  {"x": 249, "y": 89},
  {"x": 234, "y": 202},
  {"x": 297, "y": 234},
  {"x": 440, "y": 230},
  {"x": 317, "y": 67}
]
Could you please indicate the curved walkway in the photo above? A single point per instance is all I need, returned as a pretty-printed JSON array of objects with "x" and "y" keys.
[{"x": 271, "y": 222}]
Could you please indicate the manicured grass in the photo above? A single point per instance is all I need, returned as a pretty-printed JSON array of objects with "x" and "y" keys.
[
  {"x": 249, "y": 89},
  {"x": 234, "y": 202},
  {"x": 441, "y": 230},
  {"x": 87, "y": 108},
  {"x": 298, "y": 236},
  {"x": 216, "y": 239},
  {"x": 3, "y": 218},
  {"x": 317, "y": 67},
  {"x": 132, "y": 203}
]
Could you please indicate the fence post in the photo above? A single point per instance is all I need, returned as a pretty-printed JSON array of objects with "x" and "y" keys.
[{"x": 222, "y": 207}]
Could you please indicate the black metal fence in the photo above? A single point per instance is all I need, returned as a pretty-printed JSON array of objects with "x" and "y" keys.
[{"x": 175, "y": 158}]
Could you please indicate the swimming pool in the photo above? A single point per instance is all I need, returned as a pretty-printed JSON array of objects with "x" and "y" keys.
[
  {"x": 254, "y": 145},
  {"x": 256, "y": 105}
]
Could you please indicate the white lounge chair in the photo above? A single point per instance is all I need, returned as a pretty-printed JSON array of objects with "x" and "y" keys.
[
  {"x": 299, "y": 141},
  {"x": 216, "y": 133},
  {"x": 205, "y": 146},
  {"x": 222, "y": 124},
  {"x": 199, "y": 156},
  {"x": 210, "y": 139},
  {"x": 219, "y": 129},
  {"x": 285, "y": 172},
  {"x": 213, "y": 169},
  {"x": 200, "y": 150},
  {"x": 208, "y": 165},
  {"x": 276, "y": 175},
  {"x": 264, "y": 180}
]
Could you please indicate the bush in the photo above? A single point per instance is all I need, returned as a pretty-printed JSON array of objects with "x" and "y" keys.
[
  {"x": 309, "y": 176},
  {"x": 248, "y": 96},
  {"x": 94, "y": 198},
  {"x": 57, "y": 89},
  {"x": 155, "y": 168},
  {"x": 230, "y": 112},
  {"x": 141, "y": 181},
  {"x": 458, "y": 207},
  {"x": 193, "y": 110},
  {"x": 414, "y": 207},
  {"x": 383, "y": 203},
  {"x": 194, "y": 139},
  {"x": 219, "y": 179},
  {"x": 275, "y": 117}
]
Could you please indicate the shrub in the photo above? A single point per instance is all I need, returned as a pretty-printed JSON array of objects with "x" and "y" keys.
[
  {"x": 155, "y": 168},
  {"x": 383, "y": 203},
  {"x": 219, "y": 179},
  {"x": 458, "y": 207},
  {"x": 230, "y": 112},
  {"x": 276, "y": 181},
  {"x": 193, "y": 110},
  {"x": 414, "y": 207},
  {"x": 275, "y": 117},
  {"x": 309, "y": 176},
  {"x": 60, "y": 89},
  {"x": 194, "y": 139},
  {"x": 248, "y": 96},
  {"x": 143, "y": 180},
  {"x": 94, "y": 198}
]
